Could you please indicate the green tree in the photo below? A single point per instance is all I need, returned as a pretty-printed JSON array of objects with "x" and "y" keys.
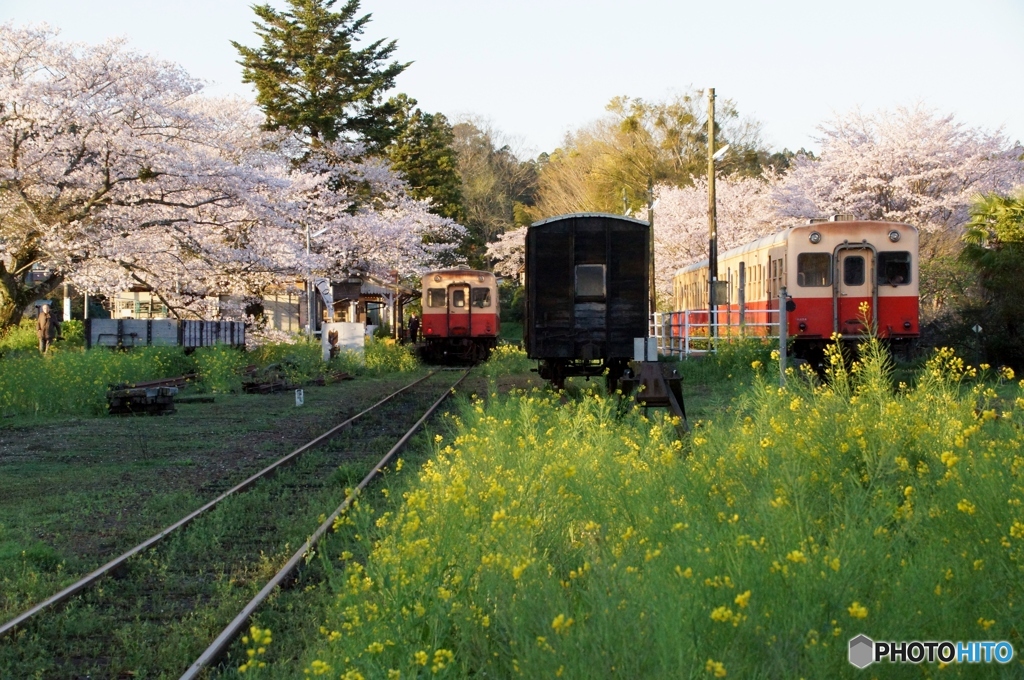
[
  {"x": 424, "y": 152},
  {"x": 498, "y": 189},
  {"x": 994, "y": 245},
  {"x": 311, "y": 80},
  {"x": 606, "y": 165}
]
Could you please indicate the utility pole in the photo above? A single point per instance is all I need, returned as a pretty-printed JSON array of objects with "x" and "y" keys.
[
  {"x": 712, "y": 215},
  {"x": 310, "y": 300},
  {"x": 652, "y": 293}
]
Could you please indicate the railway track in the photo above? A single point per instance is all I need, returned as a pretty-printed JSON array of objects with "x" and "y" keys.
[{"x": 177, "y": 586}]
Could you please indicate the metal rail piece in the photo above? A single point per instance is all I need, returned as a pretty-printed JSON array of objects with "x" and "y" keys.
[
  {"x": 219, "y": 645},
  {"x": 96, "y": 575}
]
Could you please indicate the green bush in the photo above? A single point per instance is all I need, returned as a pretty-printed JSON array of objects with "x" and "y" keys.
[
  {"x": 72, "y": 334},
  {"x": 732, "y": 360},
  {"x": 20, "y": 338},
  {"x": 506, "y": 359},
  {"x": 298, "y": 362},
  {"x": 387, "y": 356},
  {"x": 76, "y": 382},
  {"x": 220, "y": 368}
]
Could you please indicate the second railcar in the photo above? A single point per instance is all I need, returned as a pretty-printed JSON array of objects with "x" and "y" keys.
[
  {"x": 587, "y": 293},
  {"x": 832, "y": 270}
]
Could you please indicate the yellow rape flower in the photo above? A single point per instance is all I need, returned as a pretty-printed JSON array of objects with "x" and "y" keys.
[
  {"x": 796, "y": 557},
  {"x": 857, "y": 610},
  {"x": 966, "y": 506},
  {"x": 318, "y": 667},
  {"x": 743, "y": 599},
  {"x": 561, "y": 624},
  {"x": 717, "y": 668}
]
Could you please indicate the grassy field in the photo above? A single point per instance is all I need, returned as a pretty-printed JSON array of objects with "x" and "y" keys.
[
  {"x": 545, "y": 534},
  {"x": 75, "y": 492},
  {"x": 71, "y": 380},
  {"x": 577, "y": 538}
]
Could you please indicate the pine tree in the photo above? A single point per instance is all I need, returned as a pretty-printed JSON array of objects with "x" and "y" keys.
[
  {"x": 309, "y": 78},
  {"x": 423, "y": 151}
]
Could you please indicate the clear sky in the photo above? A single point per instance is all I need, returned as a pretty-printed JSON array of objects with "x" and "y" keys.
[{"x": 539, "y": 68}]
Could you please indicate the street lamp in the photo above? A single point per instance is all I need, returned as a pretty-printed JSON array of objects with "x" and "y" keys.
[{"x": 310, "y": 302}]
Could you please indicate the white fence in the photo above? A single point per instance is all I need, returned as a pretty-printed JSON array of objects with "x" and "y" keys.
[{"x": 689, "y": 333}]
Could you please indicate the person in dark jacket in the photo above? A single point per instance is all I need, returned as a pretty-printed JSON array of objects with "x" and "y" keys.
[
  {"x": 44, "y": 328},
  {"x": 414, "y": 328}
]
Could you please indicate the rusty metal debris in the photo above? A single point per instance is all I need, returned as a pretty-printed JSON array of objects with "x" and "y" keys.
[{"x": 123, "y": 401}]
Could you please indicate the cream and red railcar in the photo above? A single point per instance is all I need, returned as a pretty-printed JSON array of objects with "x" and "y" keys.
[
  {"x": 460, "y": 315},
  {"x": 829, "y": 268}
]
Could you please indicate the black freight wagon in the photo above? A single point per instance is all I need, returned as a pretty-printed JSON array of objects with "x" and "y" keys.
[{"x": 587, "y": 293}]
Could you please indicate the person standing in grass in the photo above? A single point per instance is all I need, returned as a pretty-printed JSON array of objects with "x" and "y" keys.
[{"x": 44, "y": 328}]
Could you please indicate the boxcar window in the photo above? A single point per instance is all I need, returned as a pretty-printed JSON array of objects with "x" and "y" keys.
[
  {"x": 814, "y": 269},
  {"x": 590, "y": 280},
  {"x": 459, "y": 297},
  {"x": 481, "y": 297},
  {"x": 436, "y": 297},
  {"x": 853, "y": 270},
  {"x": 894, "y": 268}
]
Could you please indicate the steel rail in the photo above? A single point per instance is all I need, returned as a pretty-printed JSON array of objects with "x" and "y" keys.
[
  {"x": 220, "y": 644},
  {"x": 96, "y": 575}
]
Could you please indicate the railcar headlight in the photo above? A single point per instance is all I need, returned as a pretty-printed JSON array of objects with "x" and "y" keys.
[
  {"x": 437, "y": 277},
  {"x": 815, "y": 237},
  {"x": 894, "y": 236}
]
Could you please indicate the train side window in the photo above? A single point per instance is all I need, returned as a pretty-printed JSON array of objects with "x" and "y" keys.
[
  {"x": 894, "y": 268},
  {"x": 459, "y": 297},
  {"x": 814, "y": 270},
  {"x": 436, "y": 297},
  {"x": 853, "y": 270},
  {"x": 590, "y": 281},
  {"x": 481, "y": 297}
]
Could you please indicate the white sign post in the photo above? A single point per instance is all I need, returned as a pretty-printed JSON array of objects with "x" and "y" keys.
[{"x": 299, "y": 398}]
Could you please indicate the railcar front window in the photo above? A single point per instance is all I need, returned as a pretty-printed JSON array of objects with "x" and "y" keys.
[
  {"x": 459, "y": 297},
  {"x": 814, "y": 270},
  {"x": 481, "y": 297},
  {"x": 590, "y": 281},
  {"x": 853, "y": 270},
  {"x": 436, "y": 297},
  {"x": 894, "y": 268}
]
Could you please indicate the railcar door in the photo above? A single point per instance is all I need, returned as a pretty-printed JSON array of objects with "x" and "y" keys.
[
  {"x": 459, "y": 310},
  {"x": 854, "y": 285}
]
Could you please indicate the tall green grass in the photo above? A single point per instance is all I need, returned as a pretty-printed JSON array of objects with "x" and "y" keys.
[
  {"x": 380, "y": 356},
  {"x": 75, "y": 381},
  {"x": 20, "y": 338},
  {"x": 550, "y": 539}
]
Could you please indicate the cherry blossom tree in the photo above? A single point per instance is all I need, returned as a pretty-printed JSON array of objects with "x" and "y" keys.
[
  {"x": 509, "y": 252},
  {"x": 746, "y": 210},
  {"x": 115, "y": 173},
  {"x": 909, "y": 165}
]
